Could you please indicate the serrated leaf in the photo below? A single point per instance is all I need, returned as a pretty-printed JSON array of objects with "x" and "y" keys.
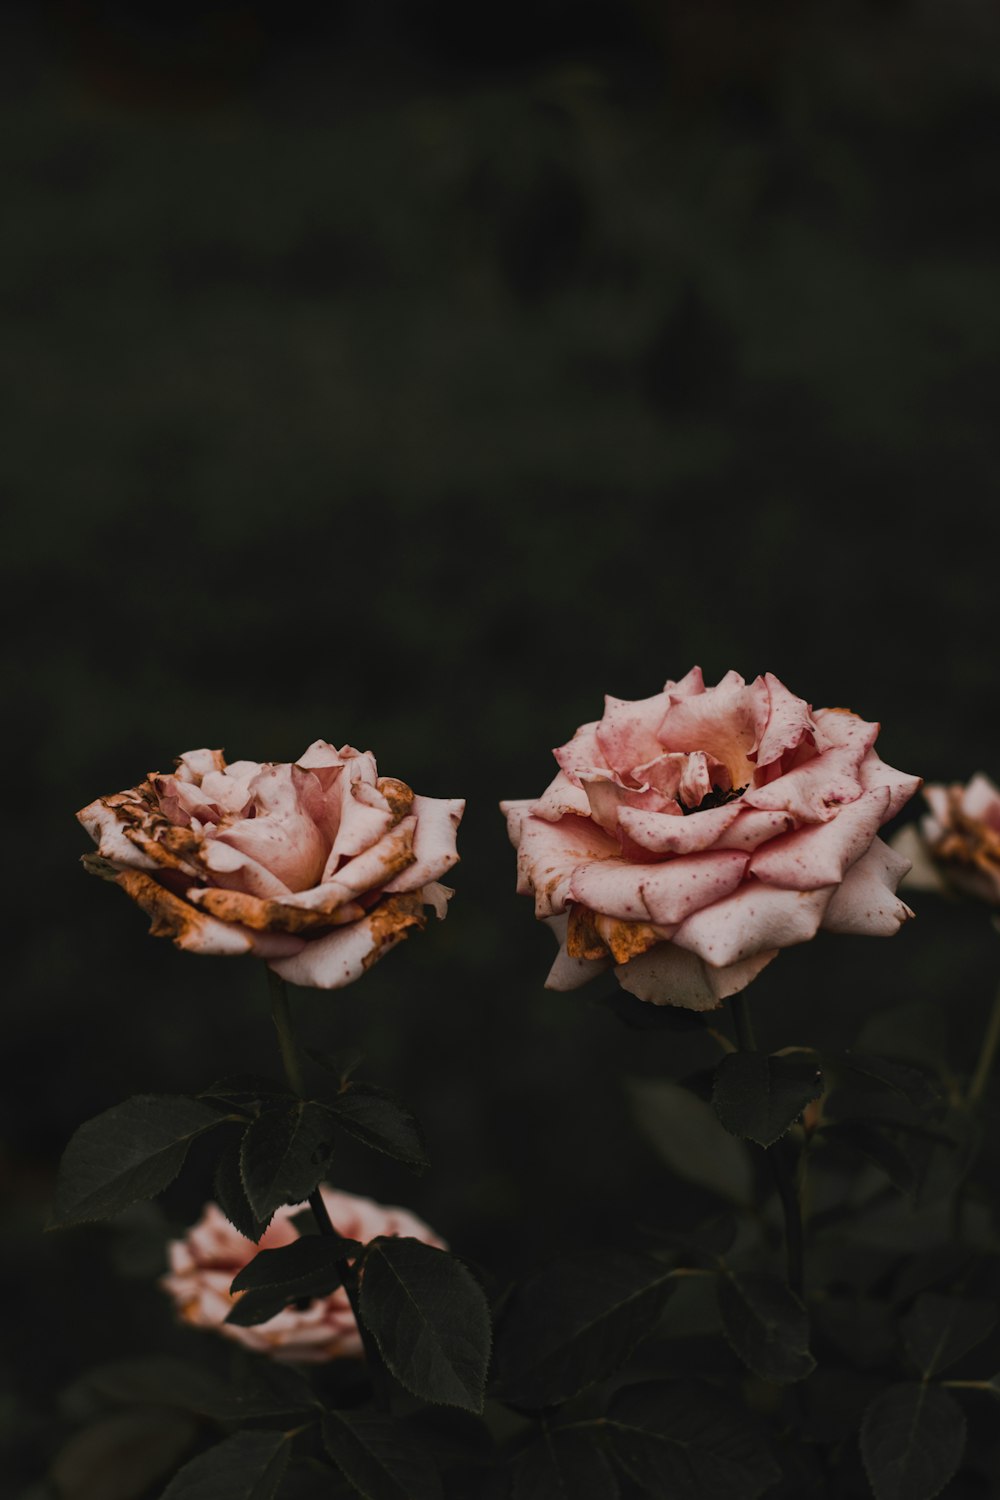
[
  {"x": 248, "y": 1089},
  {"x": 766, "y": 1325},
  {"x": 305, "y": 1269},
  {"x": 938, "y": 1330},
  {"x": 430, "y": 1319},
  {"x": 689, "y": 1138},
  {"x": 576, "y": 1321},
  {"x": 129, "y": 1152},
  {"x": 231, "y": 1197},
  {"x": 683, "y": 1441},
  {"x": 380, "y": 1457},
  {"x": 284, "y": 1155},
  {"x": 566, "y": 1462},
  {"x": 247, "y": 1466},
  {"x": 379, "y": 1120},
  {"x": 758, "y": 1097},
  {"x": 121, "y": 1456},
  {"x": 912, "y": 1441}
]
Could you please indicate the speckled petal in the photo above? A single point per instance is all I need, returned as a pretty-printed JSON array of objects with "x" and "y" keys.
[
  {"x": 815, "y": 791},
  {"x": 874, "y": 772},
  {"x": 755, "y": 919},
  {"x": 107, "y": 830},
  {"x": 664, "y": 893},
  {"x": 569, "y": 973},
  {"x": 666, "y": 833},
  {"x": 434, "y": 850},
  {"x": 788, "y": 722},
  {"x": 627, "y": 731},
  {"x": 330, "y": 962},
  {"x": 548, "y": 854},
  {"x": 582, "y": 753},
  {"x": 819, "y": 854},
  {"x": 560, "y": 797},
  {"x": 668, "y": 975},
  {"x": 866, "y": 903},
  {"x": 193, "y": 930}
]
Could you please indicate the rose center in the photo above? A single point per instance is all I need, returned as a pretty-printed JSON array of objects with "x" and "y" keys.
[{"x": 717, "y": 797}]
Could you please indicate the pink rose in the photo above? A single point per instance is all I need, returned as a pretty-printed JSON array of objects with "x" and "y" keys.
[
  {"x": 204, "y": 1262},
  {"x": 318, "y": 867},
  {"x": 957, "y": 845},
  {"x": 690, "y": 836}
]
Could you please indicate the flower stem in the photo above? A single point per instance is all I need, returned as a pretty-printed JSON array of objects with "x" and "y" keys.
[
  {"x": 281, "y": 1015},
  {"x": 987, "y": 1055},
  {"x": 781, "y": 1171}
]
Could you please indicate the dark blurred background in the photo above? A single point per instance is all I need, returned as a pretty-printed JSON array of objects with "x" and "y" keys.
[{"x": 411, "y": 377}]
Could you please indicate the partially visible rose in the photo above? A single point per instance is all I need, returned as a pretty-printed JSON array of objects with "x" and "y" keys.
[
  {"x": 956, "y": 846},
  {"x": 205, "y": 1261},
  {"x": 690, "y": 836},
  {"x": 319, "y": 867}
]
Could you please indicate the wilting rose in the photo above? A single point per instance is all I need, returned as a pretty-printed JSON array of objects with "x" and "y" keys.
[
  {"x": 690, "y": 836},
  {"x": 204, "y": 1262},
  {"x": 319, "y": 867},
  {"x": 956, "y": 846}
]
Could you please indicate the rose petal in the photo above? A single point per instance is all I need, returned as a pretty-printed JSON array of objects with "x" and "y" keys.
[
  {"x": 283, "y": 836},
  {"x": 569, "y": 973},
  {"x": 923, "y": 874},
  {"x": 874, "y": 772},
  {"x": 582, "y": 753},
  {"x": 751, "y": 827},
  {"x": 754, "y": 919},
  {"x": 665, "y": 833},
  {"x": 548, "y": 853},
  {"x": 840, "y": 728},
  {"x": 191, "y": 929},
  {"x": 627, "y": 732},
  {"x": 434, "y": 850},
  {"x": 722, "y": 720},
  {"x": 819, "y": 854},
  {"x": 607, "y": 797},
  {"x": 689, "y": 686},
  {"x": 981, "y": 800},
  {"x": 107, "y": 829},
  {"x": 194, "y": 764},
  {"x": 664, "y": 893},
  {"x": 788, "y": 722},
  {"x": 515, "y": 811},
  {"x": 560, "y": 797},
  {"x": 328, "y": 963},
  {"x": 235, "y": 871},
  {"x": 866, "y": 903},
  {"x": 437, "y": 896},
  {"x": 668, "y": 975},
  {"x": 812, "y": 792}
]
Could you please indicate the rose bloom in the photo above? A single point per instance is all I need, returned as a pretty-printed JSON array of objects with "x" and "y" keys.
[
  {"x": 318, "y": 867},
  {"x": 956, "y": 846},
  {"x": 204, "y": 1262},
  {"x": 691, "y": 835}
]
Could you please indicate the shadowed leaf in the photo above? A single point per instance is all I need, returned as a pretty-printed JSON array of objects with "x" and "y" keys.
[
  {"x": 285, "y": 1154},
  {"x": 912, "y": 1440},
  {"x": 758, "y": 1097},
  {"x": 767, "y": 1326},
  {"x": 380, "y": 1457}
]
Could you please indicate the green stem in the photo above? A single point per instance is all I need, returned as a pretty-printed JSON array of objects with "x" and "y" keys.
[
  {"x": 784, "y": 1180},
  {"x": 987, "y": 1055},
  {"x": 281, "y": 1014}
]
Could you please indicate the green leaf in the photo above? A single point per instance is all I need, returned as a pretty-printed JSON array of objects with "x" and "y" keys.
[
  {"x": 680, "y": 1439},
  {"x": 938, "y": 1330},
  {"x": 688, "y": 1136},
  {"x": 766, "y": 1325},
  {"x": 284, "y": 1155},
  {"x": 566, "y": 1464},
  {"x": 248, "y": 1089},
  {"x": 121, "y": 1456},
  {"x": 379, "y": 1457},
  {"x": 130, "y": 1152},
  {"x": 230, "y": 1193},
  {"x": 378, "y": 1119},
  {"x": 430, "y": 1319},
  {"x": 305, "y": 1269},
  {"x": 575, "y": 1321},
  {"x": 758, "y": 1097},
  {"x": 912, "y": 1440},
  {"x": 870, "y": 1071},
  {"x": 247, "y": 1466}
]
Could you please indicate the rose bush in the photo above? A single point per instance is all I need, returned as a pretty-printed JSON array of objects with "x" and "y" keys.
[
  {"x": 956, "y": 846},
  {"x": 319, "y": 867},
  {"x": 204, "y": 1262},
  {"x": 690, "y": 836}
]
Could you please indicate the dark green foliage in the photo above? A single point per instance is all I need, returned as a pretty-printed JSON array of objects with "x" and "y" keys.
[
  {"x": 566, "y": 1464},
  {"x": 129, "y": 1152},
  {"x": 309, "y": 1267},
  {"x": 378, "y": 1119},
  {"x": 682, "y": 1440},
  {"x": 265, "y": 1389},
  {"x": 766, "y": 1325},
  {"x": 687, "y": 1134},
  {"x": 248, "y": 1090},
  {"x": 247, "y": 1466},
  {"x": 912, "y": 1440},
  {"x": 574, "y": 1322},
  {"x": 938, "y": 1329},
  {"x": 231, "y": 1196},
  {"x": 284, "y": 1155},
  {"x": 430, "y": 1319},
  {"x": 759, "y": 1097},
  {"x": 121, "y": 1456},
  {"x": 381, "y": 1458}
]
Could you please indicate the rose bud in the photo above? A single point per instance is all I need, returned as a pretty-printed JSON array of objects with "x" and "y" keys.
[
  {"x": 204, "y": 1263},
  {"x": 689, "y": 836},
  {"x": 318, "y": 867},
  {"x": 955, "y": 848}
]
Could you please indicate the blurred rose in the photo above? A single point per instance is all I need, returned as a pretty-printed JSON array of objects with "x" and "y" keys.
[
  {"x": 956, "y": 846},
  {"x": 690, "y": 836},
  {"x": 204, "y": 1262},
  {"x": 319, "y": 867}
]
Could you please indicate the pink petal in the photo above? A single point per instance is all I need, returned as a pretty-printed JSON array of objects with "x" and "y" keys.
[
  {"x": 627, "y": 732},
  {"x": 361, "y": 816},
  {"x": 755, "y": 919},
  {"x": 434, "y": 847},
  {"x": 788, "y": 722},
  {"x": 668, "y": 975},
  {"x": 230, "y": 789},
  {"x": 838, "y": 727},
  {"x": 548, "y": 854},
  {"x": 569, "y": 973},
  {"x": 663, "y": 833},
  {"x": 235, "y": 871},
  {"x": 560, "y": 797},
  {"x": 689, "y": 686},
  {"x": 368, "y": 871},
  {"x": 107, "y": 830},
  {"x": 866, "y": 903},
  {"x": 582, "y": 753},
  {"x": 875, "y": 773},
  {"x": 194, "y": 764},
  {"x": 664, "y": 893},
  {"x": 981, "y": 800},
  {"x": 722, "y": 720},
  {"x": 819, "y": 854},
  {"x": 751, "y": 828},
  {"x": 282, "y": 837},
  {"x": 330, "y": 962},
  {"x": 813, "y": 792},
  {"x": 607, "y": 797},
  {"x": 435, "y": 895},
  {"x": 515, "y": 811}
]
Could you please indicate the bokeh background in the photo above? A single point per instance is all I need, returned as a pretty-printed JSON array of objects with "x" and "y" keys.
[{"x": 411, "y": 377}]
